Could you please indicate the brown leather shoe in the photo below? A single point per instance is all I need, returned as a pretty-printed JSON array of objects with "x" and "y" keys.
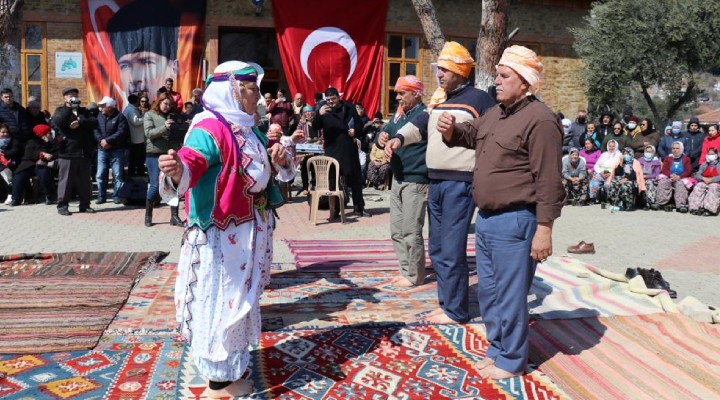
[{"x": 582, "y": 248}]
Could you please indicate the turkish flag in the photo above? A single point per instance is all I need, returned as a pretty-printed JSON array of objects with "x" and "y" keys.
[{"x": 336, "y": 43}]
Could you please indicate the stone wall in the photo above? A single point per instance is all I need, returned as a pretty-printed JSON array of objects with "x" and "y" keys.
[{"x": 543, "y": 26}]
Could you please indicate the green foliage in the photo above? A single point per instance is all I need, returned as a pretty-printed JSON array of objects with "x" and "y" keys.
[{"x": 631, "y": 45}]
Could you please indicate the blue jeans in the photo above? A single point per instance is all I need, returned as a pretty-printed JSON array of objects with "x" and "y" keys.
[
  {"x": 450, "y": 209},
  {"x": 505, "y": 274},
  {"x": 153, "y": 178},
  {"x": 110, "y": 159}
]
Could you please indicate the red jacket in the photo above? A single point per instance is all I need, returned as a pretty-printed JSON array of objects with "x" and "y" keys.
[
  {"x": 708, "y": 143},
  {"x": 687, "y": 166}
]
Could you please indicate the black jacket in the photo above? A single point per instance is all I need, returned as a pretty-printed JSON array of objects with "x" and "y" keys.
[
  {"x": 338, "y": 143},
  {"x": 74, "y": 143},
  {"x": 32, "y": 152},
  {"x": 114, "y": 129},
  {"x": 20, "y": 126}
]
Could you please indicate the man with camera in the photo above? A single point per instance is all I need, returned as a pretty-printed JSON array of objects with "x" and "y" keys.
[{"x": 73, "y": 126}]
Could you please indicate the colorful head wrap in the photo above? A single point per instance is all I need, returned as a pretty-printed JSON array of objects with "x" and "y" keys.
[
  {"x": 223, "y": 90},
  {"x": 525, "y": 62},
  {"x": 456, "y": 58},
  {"x": 409, "y": 83}
]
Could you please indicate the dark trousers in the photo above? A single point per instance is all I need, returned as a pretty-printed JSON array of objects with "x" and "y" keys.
[
  {"x": 450, "y": 209},
  {"x": 74, "y": 177},
  {"x": 505, "y": 274},
  {"x": 136, "y": 160},
  {"x": 21, "y": 179}
]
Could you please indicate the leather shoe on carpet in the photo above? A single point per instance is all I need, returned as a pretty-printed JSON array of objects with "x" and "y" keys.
[
  {"x": 582, "y": 248},
  {"x": 631, "y": 273}
]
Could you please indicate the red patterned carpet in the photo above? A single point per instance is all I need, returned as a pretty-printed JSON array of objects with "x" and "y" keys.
[{"x": 63, "y": 301}]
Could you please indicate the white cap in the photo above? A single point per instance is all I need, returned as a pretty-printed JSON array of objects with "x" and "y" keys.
[{"x": 107, "y": 101}]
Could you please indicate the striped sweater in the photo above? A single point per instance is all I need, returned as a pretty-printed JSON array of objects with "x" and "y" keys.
[{"x": 448, "y": 163}]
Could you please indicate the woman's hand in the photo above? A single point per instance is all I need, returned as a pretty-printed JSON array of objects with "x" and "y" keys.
[
  {"x": 171, "y": 165},
  {"x": 278, "y": 155}
]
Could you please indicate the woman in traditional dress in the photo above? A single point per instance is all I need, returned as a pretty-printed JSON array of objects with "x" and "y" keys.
[{"x": 224, "y": 169}]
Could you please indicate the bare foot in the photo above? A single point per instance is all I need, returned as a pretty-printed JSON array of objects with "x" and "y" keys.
[
  {"x": 435, "y": 312},
  {"x": 493, "y": 372},
  {"x": 439, "y": 319},
  {"x": 482, "y": 364},
  {"x": 402, "y": 282},
  {"x": 240, "y": 387}
]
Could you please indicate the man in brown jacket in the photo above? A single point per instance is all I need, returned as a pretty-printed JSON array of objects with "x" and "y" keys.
[{"x": 517, "y": 188}]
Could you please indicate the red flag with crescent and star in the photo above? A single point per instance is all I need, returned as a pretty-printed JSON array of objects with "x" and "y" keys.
[{"x": 336, "y": 43}]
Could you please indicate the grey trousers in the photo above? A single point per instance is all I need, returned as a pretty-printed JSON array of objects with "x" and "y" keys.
[
  {"x": 408, "y": 205},
  {"x": 74, "y": 177}
]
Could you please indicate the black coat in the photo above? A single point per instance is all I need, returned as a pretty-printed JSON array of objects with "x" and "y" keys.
[
  {"x": 74, "y": 143},
  {"x": 32, "y": 152},
  {"x": 338, "y": 143},
  {"x": 20, "y": 127}
]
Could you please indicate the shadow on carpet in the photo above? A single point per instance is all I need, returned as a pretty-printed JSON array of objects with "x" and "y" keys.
[{"x": 63, "y": 301}]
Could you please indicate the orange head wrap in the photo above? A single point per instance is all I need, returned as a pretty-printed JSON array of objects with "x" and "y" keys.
[
  {"x": 456, "y": 58},
  {"x": 409, "y": 83},
  {"x": 525, "y": 62}
]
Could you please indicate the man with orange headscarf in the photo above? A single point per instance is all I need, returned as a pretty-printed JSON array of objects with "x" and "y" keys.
[
  {"x": 408, "y": 197},
  {"x": 450, "y": 170},
  {"x": 518, "y": 151}
]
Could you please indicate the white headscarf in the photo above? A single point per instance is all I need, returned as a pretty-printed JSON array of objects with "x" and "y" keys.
[
  {"x": 220, "y": 96},
  {"x": 682, "y": 148},
  {"x": 610, "y": 159}
]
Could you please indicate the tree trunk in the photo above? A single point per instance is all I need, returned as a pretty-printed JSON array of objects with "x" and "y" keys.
[
  {"x": 491, "y": 41},
  {"x": 10, "y": 45},
  {"x": 648, "y": 99},
  {"x": 684, "y": 99},
  {"x": 426, "y": 13}
]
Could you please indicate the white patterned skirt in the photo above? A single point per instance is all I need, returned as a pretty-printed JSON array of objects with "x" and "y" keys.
[{"x": 221, "y": 276}]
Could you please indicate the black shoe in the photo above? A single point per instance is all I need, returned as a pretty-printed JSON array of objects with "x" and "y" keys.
[
  {"x": 118, "y": 200},
  {"x": 669, "y": 208},
  {"x": 49, "y": 201},
  {"x": 362, "y": 213},
  {"x": 682, "y": 210},
  {"x": 654, "y": 207},
  {"x": 64, "y": 211},
  {"x": 14, "y": 203},
  {"x": 706, "y": 213},
  {"x": 694, "y": 212},
  {"x": 631, "y": 273},
  {"x": 100, "y": 201},
  {"x": 87, "y": 210}
]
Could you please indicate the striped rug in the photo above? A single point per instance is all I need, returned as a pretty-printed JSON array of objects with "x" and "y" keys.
[
  {"x": 63, "y": 301},
  {"x": 565, "y": 287},
  {"x": 353, "y": 255},
  {"x": 656, "y": 356}
]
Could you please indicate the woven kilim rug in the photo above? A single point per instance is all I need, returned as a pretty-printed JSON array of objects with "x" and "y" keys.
[
  {"x": 420, "y": 362},
  {"x": 656, "y": 356},
  {"x": 63, "y": 301},
  {"x": 132, "y": 367},
  {"x": 353, "y": 255},
  {"x": 151, "y": 304}
]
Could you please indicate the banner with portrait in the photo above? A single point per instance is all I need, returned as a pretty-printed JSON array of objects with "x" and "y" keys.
[{"x": 133, "y": 46}]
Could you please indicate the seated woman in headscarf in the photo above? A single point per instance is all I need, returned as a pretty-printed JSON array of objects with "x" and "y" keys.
[
  {"x": 591, "y": 153},
  {"x": 705, "y": 197},
  {"x": 378, "y": 168},
  {"x": 604, "y": 167},
  {"x": 626, "y": 182},
  {"x": 674, "y": 180},
  {"x": 574, "y": 178},
  {"x": 651, "y": 167},
  {"x": 225, "y": 170}
]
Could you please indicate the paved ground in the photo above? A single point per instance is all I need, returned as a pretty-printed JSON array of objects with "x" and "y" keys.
[{"x": 684, "y": 247}]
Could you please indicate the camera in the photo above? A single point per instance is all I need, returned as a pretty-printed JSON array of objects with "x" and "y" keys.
[{"x": 74, "y": 101}]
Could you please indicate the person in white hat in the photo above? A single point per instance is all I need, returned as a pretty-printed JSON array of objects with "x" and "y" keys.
[{"x": 111, "y": 136}]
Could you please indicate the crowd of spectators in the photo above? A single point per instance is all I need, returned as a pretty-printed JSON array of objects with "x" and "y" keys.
[{"x": 629, "y": 164}]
